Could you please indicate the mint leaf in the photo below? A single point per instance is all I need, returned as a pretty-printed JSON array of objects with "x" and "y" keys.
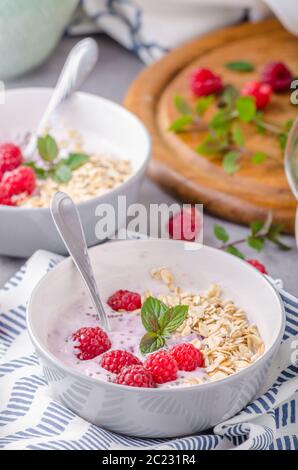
[
  {"x": 151, "y": 342},
  {"x": 273, "y": 236},
  {"x": 152, "y": 310},
  {"x": 258, "y": 157},
  {"x": 62, "y": 173},
  {"x": 228, "y": 97},
  {"x": 179, "y": 124},
  {"x": 181, "y": 105},
  {"x": 211, "y": 146},
  {"x": 240, "y": 66},
  {"x": 259, "y": 122},
  {"x": 282, "y": 139},
  {"x": 172, "y": 319},
  {"x": 47, "y": 148},
  {"x": 220, "y": 122},
  {"x": 220, "y": 233},
  {"x": 159, "y": 321},
  {"x": 75, "y": 160},
  {"x": 256, "y": 243},
  {"x": 256, "y": 226},
  {"x": 246, "y": 108},
  {"x": 237, "y": 135},
  {"x": 234, "y": 251},
  {"x": 40, "y": 173},
  {"x": 230, "y": 162},
  {"x": 203, "y": 104},
  {"x": 288, "y": 125}
]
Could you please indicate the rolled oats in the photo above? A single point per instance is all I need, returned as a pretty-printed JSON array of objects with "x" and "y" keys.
[{"x": 223, "y": 334}]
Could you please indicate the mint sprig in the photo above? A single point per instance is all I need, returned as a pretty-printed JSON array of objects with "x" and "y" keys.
[
  {"x": 225, "y": 137},
  {"x": 60, "y": 170},
  {"x": 160, "y": 322},
  {"x": 260, "y": 233}
]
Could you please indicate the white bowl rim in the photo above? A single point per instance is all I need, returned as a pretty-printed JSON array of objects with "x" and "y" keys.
[
  {"x": 208, "y": 385},
  {"x": 109, "y": 192}
]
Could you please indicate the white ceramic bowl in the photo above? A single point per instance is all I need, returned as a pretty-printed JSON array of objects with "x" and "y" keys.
[
  {"x": 25, "y": 230},
  {"x": 156, "y": 412}
]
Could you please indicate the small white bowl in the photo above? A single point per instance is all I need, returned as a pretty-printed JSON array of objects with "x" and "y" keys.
[
  {"x": 156, "y": 412},
  {"x": 25, "y": 230}
]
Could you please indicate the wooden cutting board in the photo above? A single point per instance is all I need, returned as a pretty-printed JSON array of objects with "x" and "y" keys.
[{"x": 177, "y": 167}]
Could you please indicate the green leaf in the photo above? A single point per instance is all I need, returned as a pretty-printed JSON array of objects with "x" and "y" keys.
[
  {"x": 152, "y": 310},
  {"x": 62, "y": 173},
  {"x": 221, "y": 122},
  {"x": 246, "y": 108},
  {"x": 203, "y": 104},
  {"x": 181, "y": 105},
  {"x": 150, "y": 343},
  {"x": 211, "y": 146},
  {"x": 237, "y": 135},
  {"x": 259, "y": 122},
  {"x": 274, "y": 231},
  {"x": 230, "y": 162},
  {"x": 256, "y": 226},
  {"x": 258, "y": 157},
  {"x": 281, "y": 245},
  {"x": 220, "y": 233},
  {"x": 256, "y": 243},
  {"x": 47, "y": 148},
  {"x": 282, "y": 139},
  {"x": 288, "y": 125},
  {"x": 40, "y": 173},
  {"x": 172, "y": 319},
  {"x": 180, "y": 124},
  {"x": 234, "y": 251},
  {"x": 76, "y": 160},
  {"x": 228, "y": 97},
  {"x": 273, "y": 236},
  {"x": 240, "y": 66}
]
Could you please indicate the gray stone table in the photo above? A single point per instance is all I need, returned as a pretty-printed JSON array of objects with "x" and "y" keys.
[{"x": 115, "y": 71}]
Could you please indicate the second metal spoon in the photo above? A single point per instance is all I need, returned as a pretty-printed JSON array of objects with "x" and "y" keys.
[{"x": 79, "y": 63}]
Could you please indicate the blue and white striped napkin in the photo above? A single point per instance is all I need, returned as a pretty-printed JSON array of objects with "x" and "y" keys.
[
  {"x": 151, "y": 28},
  {"x": 31, "y": 419}
]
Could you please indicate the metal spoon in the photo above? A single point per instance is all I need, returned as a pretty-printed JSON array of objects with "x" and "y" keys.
[
  {"x": 79, "y": 63},
  {"x": 291, "y": 165},
  {"x": 67, "y": 220}
]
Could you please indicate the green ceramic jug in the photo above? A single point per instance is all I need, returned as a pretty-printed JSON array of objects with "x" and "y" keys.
[{"x": 29, "y": 31}]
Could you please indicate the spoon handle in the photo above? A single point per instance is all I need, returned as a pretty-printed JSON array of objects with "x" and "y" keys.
[
  {"x": 79, "y": 63},
  {"x": 68, "y": 223}
]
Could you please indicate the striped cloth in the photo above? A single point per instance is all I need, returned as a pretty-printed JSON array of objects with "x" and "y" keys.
[
  {"x": 31, "y": 419},
  {"x": 150, "y": 29}
]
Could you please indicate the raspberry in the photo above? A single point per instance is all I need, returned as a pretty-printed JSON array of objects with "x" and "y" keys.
[
  {"x": 135, "y": 376},
  {"x": 20, "y": 180},
  {"x": 278, "y": 76},
  {"x": 187, "y": 356},
  {"x": 261, "y": 92},
  {"x": 93, "y": 341},
  {"x": 10, "y": 157},
  {"x": 5, "y": 199},
  {"x": 162, "y": 366},
  {"x": 185, "y": 225},
  {"x": 115, "y": 360},
  {"x": 124, "y": 300},
  {"x": 256, "y": 264},
  {"x": 204, "y": 82}
]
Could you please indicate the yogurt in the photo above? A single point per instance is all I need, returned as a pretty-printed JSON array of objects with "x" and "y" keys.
[{"x": 127, "y": 331}]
